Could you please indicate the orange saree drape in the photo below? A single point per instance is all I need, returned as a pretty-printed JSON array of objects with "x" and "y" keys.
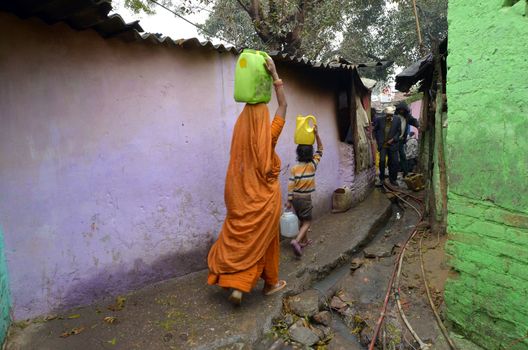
[{"x": 248, "y": 245}]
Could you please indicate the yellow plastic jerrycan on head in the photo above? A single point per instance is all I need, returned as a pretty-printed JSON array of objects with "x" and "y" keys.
[
  {"x": 304, "y": 132},
  {"x": 252, "y": 81}
]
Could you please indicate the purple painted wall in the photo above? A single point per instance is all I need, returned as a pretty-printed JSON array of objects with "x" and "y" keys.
[{"x": 113, "y": 159}]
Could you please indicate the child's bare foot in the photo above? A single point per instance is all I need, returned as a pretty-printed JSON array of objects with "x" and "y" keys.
[
  {"x": 236, "y": 297},
  {"x": 297, "y": 249},
  {"x": 306, "y": 243},
  {"x": 269, "y": 289}
]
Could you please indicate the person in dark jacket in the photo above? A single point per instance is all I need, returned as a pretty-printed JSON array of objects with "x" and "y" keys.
[
  {"x": 387, "y": 130},
  {"x": 406, "y": 119}
]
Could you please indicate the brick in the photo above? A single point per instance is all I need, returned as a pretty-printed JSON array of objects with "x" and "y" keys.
[{"x": 486, "y": 259}]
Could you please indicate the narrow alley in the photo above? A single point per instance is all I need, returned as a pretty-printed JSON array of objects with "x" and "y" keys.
[
  {"x": 263, "y": 175},
  {"x": 349, "y": 282}
]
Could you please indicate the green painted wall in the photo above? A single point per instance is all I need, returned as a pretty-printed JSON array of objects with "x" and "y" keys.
[
  {"x": 487, "y": 160},
  {"x": 5, "y": 300}
]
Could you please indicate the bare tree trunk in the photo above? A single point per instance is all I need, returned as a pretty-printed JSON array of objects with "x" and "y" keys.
[
  {"x": 418, "y": 31},
  {"x": 289, "y": 43}
]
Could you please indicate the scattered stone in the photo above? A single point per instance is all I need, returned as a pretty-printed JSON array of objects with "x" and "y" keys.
[
  {"x": 305, "y": 304},
  {"x": 378, "y": 252},
  {"x": 341, "y": 343},
  {"x": 337, "y": 304},
  {"x": 318, "y": 332},
  {"x": 344, "y": 297},
  {"x": 324, "y": 318},
  {"x": 303, "y": 335},
  {"x": 235, "y": 346},
  {"x": 356, "y": 264},
  {"x": 288, "y": 319},
  {"x": 348, "y": 312},
  {"x": 322, "y": 331},
  {"x": 184, "y": 336},
  {"x": 279, "y": 344}
]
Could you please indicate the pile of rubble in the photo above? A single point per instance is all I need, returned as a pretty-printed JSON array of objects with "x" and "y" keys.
[
  {"x": 309, "y": 322},
  {"x": 304, "y": 323}
]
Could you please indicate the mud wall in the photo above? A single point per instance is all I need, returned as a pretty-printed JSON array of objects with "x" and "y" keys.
[
  {"x": 488, "y": 172},
  {"x": 113, "y": 159}
]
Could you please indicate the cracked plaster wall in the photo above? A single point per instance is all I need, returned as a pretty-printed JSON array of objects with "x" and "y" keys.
[{"x": 487, "y": 148}]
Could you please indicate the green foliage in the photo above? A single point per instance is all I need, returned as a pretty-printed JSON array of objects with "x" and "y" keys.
[
  {"x": 228, "y": 20},
  {"x": 301, "y": 27},
  {"x": 377, "y": 29},
  {"x": 358, "y": 30},
  {"x": 139, "y": 6}
]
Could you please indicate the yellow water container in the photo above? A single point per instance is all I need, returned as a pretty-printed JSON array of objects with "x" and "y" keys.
[{"x": 304, "y": 131}]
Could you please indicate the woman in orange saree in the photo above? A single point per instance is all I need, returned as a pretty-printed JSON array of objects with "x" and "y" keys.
[{"x": 248, "y": 245}]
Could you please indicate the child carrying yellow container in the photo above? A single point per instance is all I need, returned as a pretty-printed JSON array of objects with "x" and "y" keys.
[{"x": 301, "y": 185}]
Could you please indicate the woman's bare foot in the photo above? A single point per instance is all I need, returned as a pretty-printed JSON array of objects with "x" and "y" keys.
[
  {"x": 269, "y": 290},
  {"x": 236, "y": 297}
]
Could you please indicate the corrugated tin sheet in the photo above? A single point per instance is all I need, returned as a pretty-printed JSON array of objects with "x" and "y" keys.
[
  {"x": 419, "y": 70},
  {"x": 301, "y": 61},
  {"x": 414, "y": 73},
  {"x": 340, "y": 64},
  {"x": 78, "y": 14},
  {"x": 93, "y": 14},
  {"x": 369, "y": 83}
]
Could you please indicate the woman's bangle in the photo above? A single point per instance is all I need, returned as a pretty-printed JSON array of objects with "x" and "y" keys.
[{"x": 278, "y": 83}]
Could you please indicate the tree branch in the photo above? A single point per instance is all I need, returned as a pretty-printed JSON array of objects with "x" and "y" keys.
[
  {"x": 243, "y": 6},
  {"x": 255, "y": 9}
]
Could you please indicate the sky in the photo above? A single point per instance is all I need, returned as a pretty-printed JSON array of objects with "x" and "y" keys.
[{"x": 163, "y": 21}]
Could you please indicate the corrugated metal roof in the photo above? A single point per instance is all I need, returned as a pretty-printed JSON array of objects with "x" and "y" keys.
[
  {"x": 93, "y": 14},
  {"x": 340, "y": 64},
  {"x": 419, "y": 70},
  {"x": 78, "y": 14},
  {"x": 369, "y": 83},
  {"x": 301, "y": 61},
  {"x": 134, "y": 36}
]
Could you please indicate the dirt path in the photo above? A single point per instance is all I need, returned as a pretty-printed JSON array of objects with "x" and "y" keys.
[
  {"x": 355, "y": 293},
  {"x": 186, "y": 313}
]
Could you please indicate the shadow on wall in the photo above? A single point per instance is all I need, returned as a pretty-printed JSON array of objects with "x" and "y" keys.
[{"x": 110, "y": 283}]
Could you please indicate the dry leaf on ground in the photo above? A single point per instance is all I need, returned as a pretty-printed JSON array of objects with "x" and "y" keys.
[
  {"x": 110, "y": 319},
  {"x": 119, "y": 304},
  {"x": 73, "y": 331}
]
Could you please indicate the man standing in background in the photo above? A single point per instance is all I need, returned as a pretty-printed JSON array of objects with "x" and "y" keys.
[
  {"x": 404, "y": 114},
  {"x": 387, "y": 130},
  {"x": 411, "y": 152}
]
